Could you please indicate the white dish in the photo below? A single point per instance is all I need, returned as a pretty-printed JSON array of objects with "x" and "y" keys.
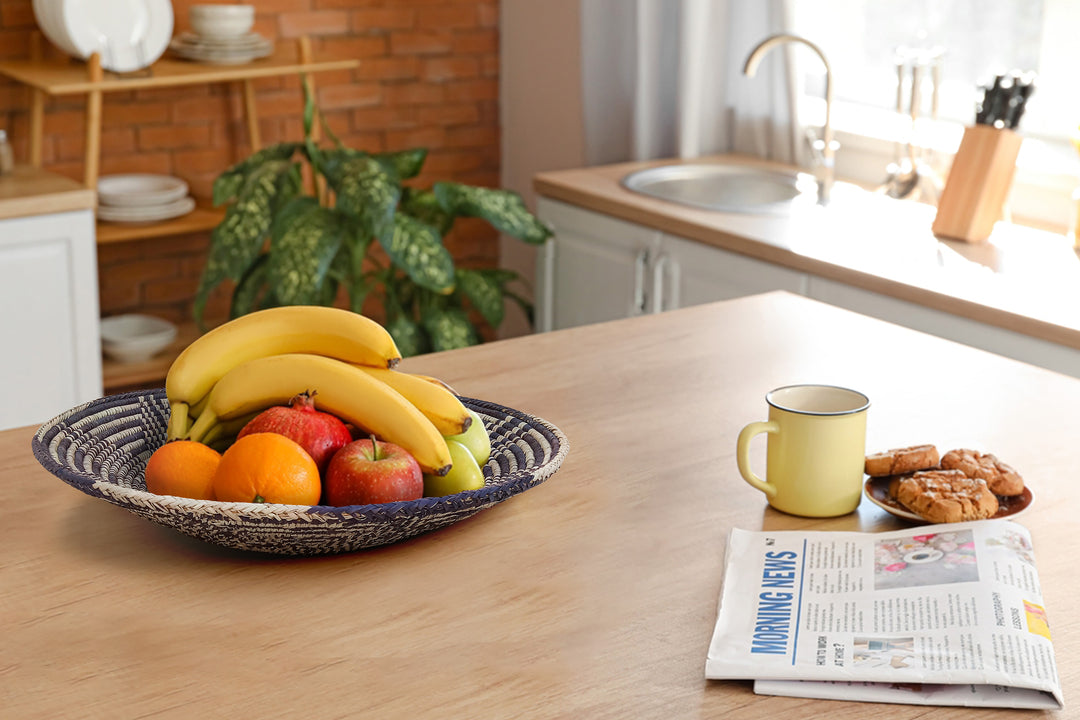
[
  {"x": 198, "y": 49},
  {"x": 47, "y": 14},
  {"x": 147, "y": 213},
  {"x": 134, "y": 337},
  {"x": 129, "y": 34},
  {"x": 140, "y": 190},
  {"x": 248, "y": 41},
  {"x": 222, "y": 21}
]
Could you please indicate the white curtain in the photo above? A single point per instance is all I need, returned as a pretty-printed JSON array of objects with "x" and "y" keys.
[{"x": 663, "y": 78}]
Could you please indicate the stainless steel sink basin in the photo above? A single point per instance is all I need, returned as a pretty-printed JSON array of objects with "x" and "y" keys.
[{"x": 724, "y": 187}]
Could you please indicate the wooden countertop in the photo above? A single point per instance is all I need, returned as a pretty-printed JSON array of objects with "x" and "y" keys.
[
  {"x": 592, "y": 595},
  {"x": 1022, "y": 279},
  {"x": 33, "y": 191}
]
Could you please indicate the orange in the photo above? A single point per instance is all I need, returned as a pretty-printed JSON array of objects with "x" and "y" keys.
[
  {"x": 267, "y": 468},
  {"x": 183, "y": 468}
]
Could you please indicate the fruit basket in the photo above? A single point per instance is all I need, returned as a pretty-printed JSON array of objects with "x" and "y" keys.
[{"x": 101, "y": 448}]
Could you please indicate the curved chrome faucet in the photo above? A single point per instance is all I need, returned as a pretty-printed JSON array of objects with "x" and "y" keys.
[{"x": 824, "y": 148}]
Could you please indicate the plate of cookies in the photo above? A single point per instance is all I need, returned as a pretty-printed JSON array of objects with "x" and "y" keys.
[{"x": 917, "y": 483}]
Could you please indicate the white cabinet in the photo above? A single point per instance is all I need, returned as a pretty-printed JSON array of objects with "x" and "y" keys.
[
  {"x": 597, "y": 268},
  {"x": 50, "y": 352},
  {"x": 593, "y": 269},
  {"x": 946, "y": 325}
]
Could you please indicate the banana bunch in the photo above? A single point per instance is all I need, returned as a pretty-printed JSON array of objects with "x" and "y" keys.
[{"x": 235, "y": 371}]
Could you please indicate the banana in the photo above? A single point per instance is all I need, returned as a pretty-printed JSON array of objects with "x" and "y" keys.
[
  {"x": 343, "y": 390},
  {"x": 438, "y": 404},
  {"x": 329, "y": 331},
  {"x": 436, "y": 381}
]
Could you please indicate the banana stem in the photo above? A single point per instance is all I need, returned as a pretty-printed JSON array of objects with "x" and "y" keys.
[
  {"x": 178, "y": 421},
  {"x": 215, "y": 432},
  {"x": 198, "y": 407},
  {"x": 202, "y": 426}
]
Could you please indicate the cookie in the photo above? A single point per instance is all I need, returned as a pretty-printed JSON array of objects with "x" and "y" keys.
[
  {"x": 999, "y": 477},
  {"x": 945, "y": 496},
  {"x": 902, "y": 460}
]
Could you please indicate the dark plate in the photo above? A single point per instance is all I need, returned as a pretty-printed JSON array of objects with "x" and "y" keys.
[{"x": 877, "y": 490}]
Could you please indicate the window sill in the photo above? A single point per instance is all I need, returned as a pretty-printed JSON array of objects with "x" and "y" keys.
[{"x": 1048, "y": 170}]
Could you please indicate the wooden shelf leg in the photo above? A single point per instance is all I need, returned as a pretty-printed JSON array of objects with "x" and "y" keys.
[
  {"x": 37, "y": 106},
  {"x": 252, "y": 112},
  {"x": 93, "y": 123},
  {"x": 37, "y": 126}
]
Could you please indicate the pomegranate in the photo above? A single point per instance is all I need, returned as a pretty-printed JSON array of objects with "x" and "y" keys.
[{"x": 320, "y": 434}]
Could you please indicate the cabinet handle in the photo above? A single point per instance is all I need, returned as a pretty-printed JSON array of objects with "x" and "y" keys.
[
  {"x": 641, "y": 263},
  {"x": 659, "y": 270}
]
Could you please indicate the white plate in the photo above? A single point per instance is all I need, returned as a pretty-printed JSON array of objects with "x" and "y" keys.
[
  {"x": 129, "y": 34},
  {"x": 221, "y": 54},
  {"x": 139, "y": 190},
  {"x": 149, "y": 213},
  {"x": 250, "y": 41},
  {"x": 47, "y": 14}
]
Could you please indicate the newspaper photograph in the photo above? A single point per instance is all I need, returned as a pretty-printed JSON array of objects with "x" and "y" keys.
[{"x": 936, "y": 615}]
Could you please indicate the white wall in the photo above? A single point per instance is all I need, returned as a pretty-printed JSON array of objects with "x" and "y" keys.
[{"x": 541, "y": 109}]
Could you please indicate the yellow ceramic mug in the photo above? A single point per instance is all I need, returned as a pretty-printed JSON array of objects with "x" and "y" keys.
[{"x": 816, "y": 450}]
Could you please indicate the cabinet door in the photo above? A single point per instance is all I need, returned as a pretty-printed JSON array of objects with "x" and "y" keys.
[
  {"x": 50, "y": 356},
  {"x": 595, "y": 268},
  {"x": 687, "y": 273}
]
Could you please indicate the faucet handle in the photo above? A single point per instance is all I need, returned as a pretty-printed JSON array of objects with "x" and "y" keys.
[{"x": 817, "y": 147}]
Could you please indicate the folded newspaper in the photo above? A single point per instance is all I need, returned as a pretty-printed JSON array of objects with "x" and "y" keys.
[{"x": 934, "y": 615}]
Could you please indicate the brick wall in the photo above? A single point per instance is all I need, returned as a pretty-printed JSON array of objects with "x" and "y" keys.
[{"x": 428, "y": 76}]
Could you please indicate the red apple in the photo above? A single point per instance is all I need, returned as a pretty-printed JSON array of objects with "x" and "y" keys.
[{"x": 362, "y": 472}]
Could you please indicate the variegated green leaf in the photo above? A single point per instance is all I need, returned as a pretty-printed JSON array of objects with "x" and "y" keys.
[
  {"x": 365, "y": 190},
  {"x": 246, "y": 296},
  {"x": 505, "y": 210},
  {"x": 237, "y": 241},
  {"x": 405, "y": 163},
  {"x": 425, "y": 207},
  {"x": 332, "y": 159},
  {"x": 417, "y": 249},
  {"x": 288, "y": 186},
  {"x": 484, "y": 292},
  {"x": 449, "y": 328},
  {"x": 304, "y": 240},
  {"x": 228, "y": 184},
  {"x": 411, "y": 339}
]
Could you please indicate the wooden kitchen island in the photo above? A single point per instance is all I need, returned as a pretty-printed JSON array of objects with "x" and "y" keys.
[{"x": 592, "y": 595}]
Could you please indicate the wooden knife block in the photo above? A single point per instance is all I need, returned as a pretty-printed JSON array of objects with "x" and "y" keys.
[{"x": 978, "y": 183}]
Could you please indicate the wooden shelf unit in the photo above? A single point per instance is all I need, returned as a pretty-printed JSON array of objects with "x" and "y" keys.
[
  {"x": 56, "y": 77},
  {"x": 65, "y": 76},
  {"x": 198, "y": 220}
]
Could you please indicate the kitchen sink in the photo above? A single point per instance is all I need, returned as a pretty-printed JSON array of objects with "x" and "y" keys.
[{"x": 725, "y": 187}]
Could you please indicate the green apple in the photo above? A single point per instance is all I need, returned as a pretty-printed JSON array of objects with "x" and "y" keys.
[
  {"x": 475, "y": 438},
  {"x": 465, "y": 474}
]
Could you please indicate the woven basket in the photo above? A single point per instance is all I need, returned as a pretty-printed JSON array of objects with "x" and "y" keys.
[{"x": 102, "y": 447}]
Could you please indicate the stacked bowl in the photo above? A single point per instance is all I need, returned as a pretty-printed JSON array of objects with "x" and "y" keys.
[
  {"x": 221, "y": 35},
  {"x": 140, "y": 198}
]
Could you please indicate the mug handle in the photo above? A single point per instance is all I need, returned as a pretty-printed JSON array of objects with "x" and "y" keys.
[{"x": 742, "y": 454}]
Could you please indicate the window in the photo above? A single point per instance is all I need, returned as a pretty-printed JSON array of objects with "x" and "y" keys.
[{"x": 973, "y": 41}]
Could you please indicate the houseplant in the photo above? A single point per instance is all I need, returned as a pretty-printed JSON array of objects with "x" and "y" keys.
[{"x": 292, "y": 236}]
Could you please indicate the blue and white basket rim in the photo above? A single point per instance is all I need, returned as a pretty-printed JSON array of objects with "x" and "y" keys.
[{"x": 56, "y": 448}]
